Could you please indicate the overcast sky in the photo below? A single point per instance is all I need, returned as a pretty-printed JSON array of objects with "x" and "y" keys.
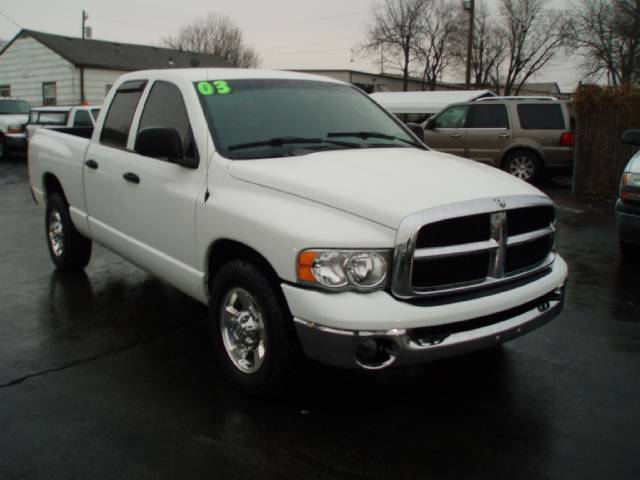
[{"x": 286, "y": 33}]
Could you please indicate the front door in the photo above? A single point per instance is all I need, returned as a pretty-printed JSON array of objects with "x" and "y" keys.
[
  {"x": 448, "y": 132},
  {"x": 161, "y": 198}
]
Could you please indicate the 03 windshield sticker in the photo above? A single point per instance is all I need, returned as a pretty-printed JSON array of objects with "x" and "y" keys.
[{"x": 216, "y": 87}]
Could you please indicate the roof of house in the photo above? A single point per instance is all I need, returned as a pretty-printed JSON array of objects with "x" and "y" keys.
[{"x": 119, "y": 56}]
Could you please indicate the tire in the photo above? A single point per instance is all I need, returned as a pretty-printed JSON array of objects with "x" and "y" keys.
[
  {"x": 525, "y": 165},
  {"x": 249, "y": 312},
  {"x": 69, "y": 250}
]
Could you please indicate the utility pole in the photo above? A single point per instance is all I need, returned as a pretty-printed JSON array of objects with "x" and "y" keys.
[
  {"x": 83, "y": 100},
  {"x": 469, "y": 6}
]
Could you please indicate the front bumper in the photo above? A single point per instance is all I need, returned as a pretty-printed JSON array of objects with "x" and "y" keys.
[
  {"x": 345, "y": 329},
  {"x": 628, "y": 220},
  {"x": 16, "y": 143}
]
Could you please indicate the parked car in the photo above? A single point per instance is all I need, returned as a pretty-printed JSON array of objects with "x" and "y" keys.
[
  {"x": 628, "y": 204},
  {"x": 61, "y": 117},
  {"x": 525, "y": 136},
  {"x": 13, "y": 115},
  {"x": 336, "y": 234}
]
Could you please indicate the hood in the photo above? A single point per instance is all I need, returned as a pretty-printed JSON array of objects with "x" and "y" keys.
[
  {"x": 381, "y": 185},
  {"x": 8, "y": 120}
]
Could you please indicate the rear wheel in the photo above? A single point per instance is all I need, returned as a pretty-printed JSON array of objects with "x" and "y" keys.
[
  {"x": 253, "y": 335},
  {"x": 525, "y": 165},
  {"x": 629, "y": 251},
  {"x": 69, "y": 250}
]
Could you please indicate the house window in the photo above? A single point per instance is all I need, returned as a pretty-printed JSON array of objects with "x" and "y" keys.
[
  {"x": 5, "y": 90},
  {"x": 49, "y": 93}
]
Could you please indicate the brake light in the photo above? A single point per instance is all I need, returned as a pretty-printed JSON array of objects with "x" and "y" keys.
[{"x": 567, "y": 139}]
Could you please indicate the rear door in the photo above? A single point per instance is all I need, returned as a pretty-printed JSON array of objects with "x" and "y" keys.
[
  {"x": 488, "y": 132},
  {"x": 105, "y": 164},
  {"x": 160, "y": 208},
  {"x": 448, "y": 132}
]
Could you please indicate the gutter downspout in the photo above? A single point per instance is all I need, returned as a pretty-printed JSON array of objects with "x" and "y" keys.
[{"x": 82, "y": 97}]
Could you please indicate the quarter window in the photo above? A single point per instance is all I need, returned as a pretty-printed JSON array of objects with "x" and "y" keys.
[
  {"x": 488, "y": 116},
  {"x": 49, "y": 93},
  {"x": 165, "y": 108},
  {"x": 82, "y": 119},
  {"x": 541, "y": 116},
  {"x": 453, "y": 117},
  {"x": 115, "y": 131}
]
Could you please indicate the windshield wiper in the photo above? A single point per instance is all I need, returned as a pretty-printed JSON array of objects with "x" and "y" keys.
[
  {"x": 280, "y": 141},
  {"x": 365, "y": 135}
]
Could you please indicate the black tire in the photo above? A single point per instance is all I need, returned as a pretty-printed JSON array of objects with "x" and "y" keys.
[
  {"x": 282, "y": 353},
  {"x": 75, "y": 250},
  {"x": 525, "y": 165}
]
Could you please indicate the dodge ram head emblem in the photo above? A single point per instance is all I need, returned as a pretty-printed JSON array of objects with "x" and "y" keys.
[{"x": 502, "y": 203}]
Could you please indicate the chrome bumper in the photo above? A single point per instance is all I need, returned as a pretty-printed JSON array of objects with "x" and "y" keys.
[{"x": 375, "y": 350}]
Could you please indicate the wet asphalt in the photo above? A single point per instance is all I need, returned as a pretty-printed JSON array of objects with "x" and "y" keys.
[{"x": 109, "y": 374}]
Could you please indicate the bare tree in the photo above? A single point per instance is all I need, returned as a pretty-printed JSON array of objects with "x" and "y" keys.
[
  {"x": 488, "y": 50},
  {"x": 607, "y": 35},
  {"x": 438, "y": 49},
  {"x": 396, "y": 30},
  {"x": 216, "y": 35},
  {"x": 533, "y": 35}
]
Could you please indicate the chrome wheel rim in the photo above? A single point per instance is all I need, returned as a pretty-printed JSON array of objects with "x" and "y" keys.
[
  {"x": 242, "y": 330},
  {"x": 56, "y": 234},
  {"x": 522, "y": 167}
]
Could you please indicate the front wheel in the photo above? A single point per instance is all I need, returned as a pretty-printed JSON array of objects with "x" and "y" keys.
[
  {"x": 524, "y": 165},
  {"x": 69, "y": 250},
  {"x": 252, "y": 330}
]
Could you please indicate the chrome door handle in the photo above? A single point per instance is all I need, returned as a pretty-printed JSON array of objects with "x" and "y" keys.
[
  {"x": 455, "y": 135},
  {"x": 505, "y": 135}
]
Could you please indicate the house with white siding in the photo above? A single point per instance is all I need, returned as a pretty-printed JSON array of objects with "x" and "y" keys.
[{"x": 48, "y": 69}]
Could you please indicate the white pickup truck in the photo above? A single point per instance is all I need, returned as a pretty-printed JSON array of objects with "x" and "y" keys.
[{"x": 308, "y": 218}]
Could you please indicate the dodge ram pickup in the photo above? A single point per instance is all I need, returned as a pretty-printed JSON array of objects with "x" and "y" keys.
[{"x": 309, "y": 220}]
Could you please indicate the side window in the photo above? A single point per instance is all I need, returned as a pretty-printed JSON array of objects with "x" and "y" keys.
[
  {"x": 540, "y": 116},
  {"x": 118, "y": 122},
  {"x": 94, "y": 113},
  {"x": 453, "y": 117},
  {"x": 165, "y": 108},
  {"x": 49, "y": 95},
  {"x": 488, "y": 116},
  {"x": 82, "y": 119}
]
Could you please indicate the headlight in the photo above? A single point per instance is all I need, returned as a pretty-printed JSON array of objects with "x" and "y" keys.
[
  {"x": 343, "y": 269},
  {"x": 630, "y": 187}
]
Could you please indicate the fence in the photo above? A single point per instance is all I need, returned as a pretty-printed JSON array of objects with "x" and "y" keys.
[{"x": 603, "y": 114}]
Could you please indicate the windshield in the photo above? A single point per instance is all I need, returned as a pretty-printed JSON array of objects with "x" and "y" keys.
[
  {"x": 48, "y": 118},
  {"x": 14, "y": 107},
  {"x": 264, "y": 118}
]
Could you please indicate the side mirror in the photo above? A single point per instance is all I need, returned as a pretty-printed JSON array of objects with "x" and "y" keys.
[
  {"x": 163, "y": 143},
  {"x": 631, "y": 137},
  {"x": 416, "y": 129},
  {"x": 430, "y": 124}
]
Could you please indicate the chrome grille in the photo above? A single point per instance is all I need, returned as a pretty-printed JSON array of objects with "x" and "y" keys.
[{"x": 472, "y": 245}]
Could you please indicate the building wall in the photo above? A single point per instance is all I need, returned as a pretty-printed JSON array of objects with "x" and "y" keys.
[
  {"x": 27, "y": 64},
  {"x": 95, "y": 82}
]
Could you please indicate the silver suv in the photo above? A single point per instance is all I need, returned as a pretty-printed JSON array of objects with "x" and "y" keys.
[{"x": 526, "y": 136}]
